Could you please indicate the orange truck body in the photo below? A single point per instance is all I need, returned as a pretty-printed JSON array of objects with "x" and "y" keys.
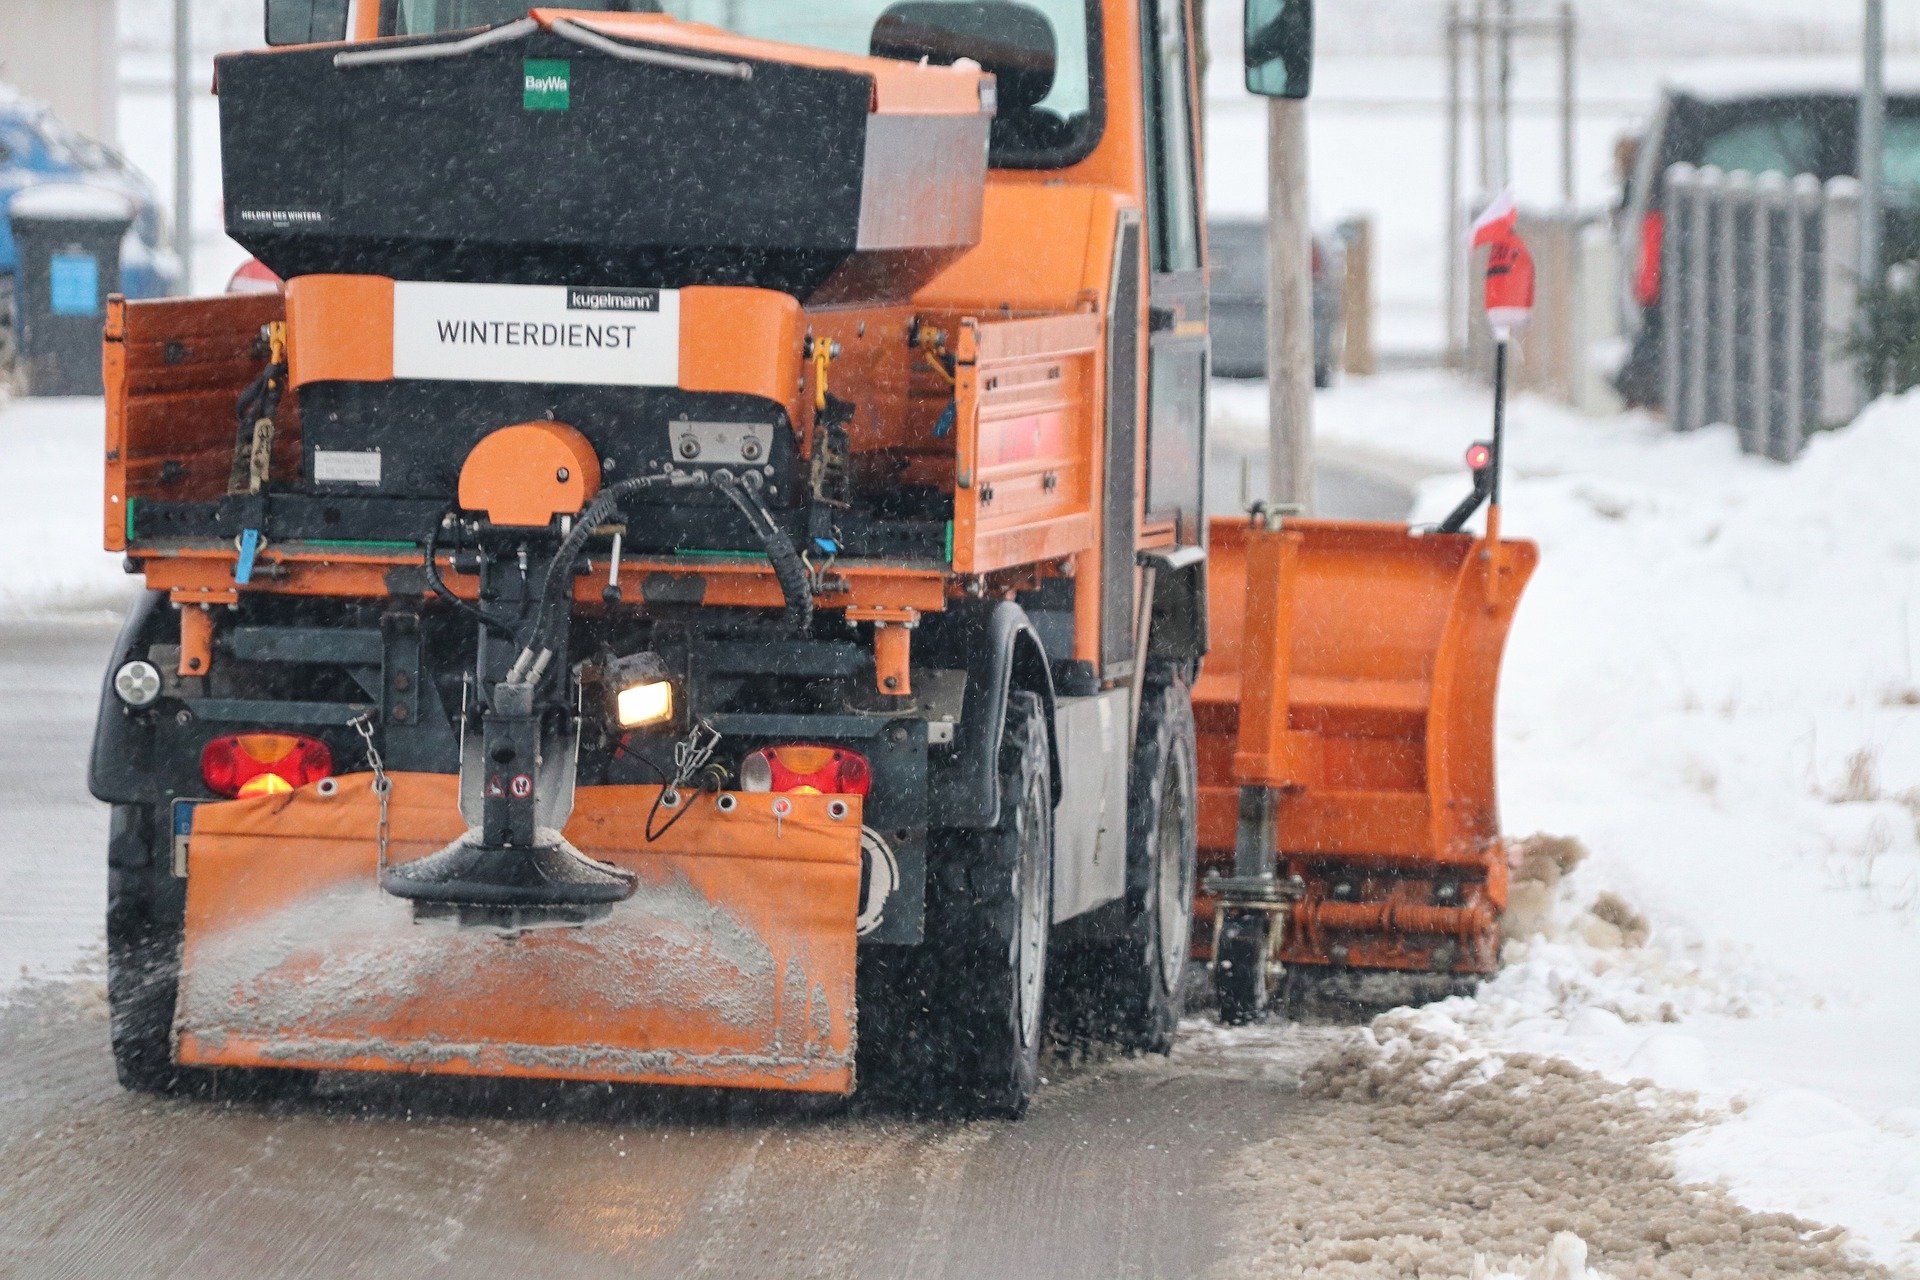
[
  {"x": 1027, "y": 313},
  {"x": 732, "y": 965},
  {"x": 1352, "y": 666}
]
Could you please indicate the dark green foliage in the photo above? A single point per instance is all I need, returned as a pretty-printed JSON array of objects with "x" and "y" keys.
[{"x": 1886, "y": 334}]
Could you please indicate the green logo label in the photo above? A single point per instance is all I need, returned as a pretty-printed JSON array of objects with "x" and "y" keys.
[{"x": 547, "y": 84}]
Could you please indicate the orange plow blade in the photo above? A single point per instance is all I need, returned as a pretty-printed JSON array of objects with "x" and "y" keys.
[
  {"x": 733, "y": 964},
  {"x": 1353, "y": 671}
]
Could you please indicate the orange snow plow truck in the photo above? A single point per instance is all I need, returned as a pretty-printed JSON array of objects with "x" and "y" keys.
[{"x": 698, "y": 573}]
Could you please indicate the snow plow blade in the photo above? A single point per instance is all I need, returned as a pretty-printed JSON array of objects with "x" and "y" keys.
[
  {"x": 1353, "y": 672},
  {"x": 732, "y": 964}
]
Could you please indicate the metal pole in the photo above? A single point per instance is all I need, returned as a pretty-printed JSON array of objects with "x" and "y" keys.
[
  {"x": 1482, "y": 100},
  {"x": 1503, "y": 171},
  {"x": 1450, "y": 245},
  {"x": 1568, "y": 51},
  {"x": 1676, "y": 295},
  {"x": 1873, "y": 122},
  {"x": 1289, "y": 307},
  {"x": 1841, "y": 380},
  {"x": 1499, "y": 421},
  {"x": 183, "y": 141}
]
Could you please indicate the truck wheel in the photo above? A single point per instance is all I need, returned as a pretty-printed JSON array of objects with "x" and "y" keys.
[
  {"x": 1240, "y": 967},
  {"x": 143, "y": 973},
  {"x": 965, "y": 1016},
  {"x": 1127, "y": 990},
  {"x": 146, "y": 913}
]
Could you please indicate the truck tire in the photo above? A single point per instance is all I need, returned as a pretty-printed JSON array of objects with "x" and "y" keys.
[
  {"x": 143, "y": 971},
  {"x": 146, "y": 914},
  {"x": 1240, "y": 968},
  {"x": 1127, "y": 990},
  {"x": 961, "y": 1020}
]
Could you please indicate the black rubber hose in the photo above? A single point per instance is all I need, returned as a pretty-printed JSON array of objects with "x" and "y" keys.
[
  {"x": 1458, "y": 517},
  {"x": 789, "y": 570},
  {"x": 559, "y": 572},
  {"x": 445, "y": 592}
]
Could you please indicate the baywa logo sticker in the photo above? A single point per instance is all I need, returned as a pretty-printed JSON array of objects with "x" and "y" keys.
[{"x": 547, "y": 84}]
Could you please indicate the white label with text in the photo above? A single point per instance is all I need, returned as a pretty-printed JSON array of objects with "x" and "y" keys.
[
  {"x": 536, "y": 333},
  {"x": 346, "y": 466}
]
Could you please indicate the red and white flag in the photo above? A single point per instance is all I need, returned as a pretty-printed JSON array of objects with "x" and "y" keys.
[{"x": 1509, "y": 266}]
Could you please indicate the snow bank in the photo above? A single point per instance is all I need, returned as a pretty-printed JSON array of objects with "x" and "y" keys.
[
  {"x": 70, "y": 202},
  {"x": 50, "y": 521},
  {"x": 1714, "y": 682}
]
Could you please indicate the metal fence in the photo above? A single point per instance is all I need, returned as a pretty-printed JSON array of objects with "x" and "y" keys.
[{"x": 1759, "y": 291}]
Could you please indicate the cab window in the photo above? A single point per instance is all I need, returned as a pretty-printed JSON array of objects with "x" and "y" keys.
[
  {"x": 1783, "y": 144},
  {"x": 1044, "y": 53},
  {"x": 1170, "y": 159}
]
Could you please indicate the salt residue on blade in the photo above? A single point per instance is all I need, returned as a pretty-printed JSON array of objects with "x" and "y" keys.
[{"x": 333, "y": 977}]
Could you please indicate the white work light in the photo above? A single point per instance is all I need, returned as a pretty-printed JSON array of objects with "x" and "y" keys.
[
  {"x": 642, "y": 690},
  {"x": 137, "y": 683}
]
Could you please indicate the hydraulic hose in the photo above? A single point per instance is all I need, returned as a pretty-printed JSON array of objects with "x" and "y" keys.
[
  {"x": 789, "y": 570},
  {"x": 440, "y": 588},
  {"x": 560, "y": 569}
]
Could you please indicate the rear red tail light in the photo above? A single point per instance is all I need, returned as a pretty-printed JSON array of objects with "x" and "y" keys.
[
  {"x": 1646, "y": 283},
  {"x": 806, "y": 768},
  {"x": 260, "y": 764}
]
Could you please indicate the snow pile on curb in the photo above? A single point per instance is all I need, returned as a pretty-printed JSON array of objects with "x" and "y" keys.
[
  {"x": 1714, "y": 683},
  {"x": 50, "y": 520},
  {"x": 1426, "y": 1154}
]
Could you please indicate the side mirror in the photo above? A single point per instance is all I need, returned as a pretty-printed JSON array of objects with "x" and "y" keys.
[
  {"x": 1013, "y": 41},
  {"x": 1279, "y": 47},
  {"x": 306, "y": 21}
]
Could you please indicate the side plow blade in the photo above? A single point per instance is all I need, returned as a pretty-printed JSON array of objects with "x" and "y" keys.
[
  {"x": 732, "y": 964},
  {"x": 1346, "y": 716}
]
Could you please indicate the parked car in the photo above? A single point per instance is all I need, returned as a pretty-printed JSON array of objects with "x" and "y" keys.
[
  {"x": 1806, "y": 127},
  {"x": 1237, "y": 261},
  {"x": 36, "y": 147}
]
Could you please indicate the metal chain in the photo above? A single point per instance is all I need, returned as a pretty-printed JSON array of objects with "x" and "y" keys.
[
  {"x": 382, "y": 784},
  {"x": 690, "y": 755}
]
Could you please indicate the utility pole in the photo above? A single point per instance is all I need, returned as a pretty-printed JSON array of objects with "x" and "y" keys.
[
  {"x": 1569, "y": 96},
  {"x": 183, "y": 142},
  {"x": 1289, "y": 307},
  {"x": 1873, "y": 124},
  {"x": 1450, "y": 217},
  {"x": 1503, "y": 101}
]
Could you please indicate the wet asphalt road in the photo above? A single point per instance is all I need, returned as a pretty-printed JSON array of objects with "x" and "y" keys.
[{"x": 1115, "y": 1173}]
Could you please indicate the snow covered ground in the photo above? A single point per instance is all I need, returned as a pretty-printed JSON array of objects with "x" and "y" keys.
[
  {"x": 1714, "y": 685},
  {"x": 50, "y": 461}
]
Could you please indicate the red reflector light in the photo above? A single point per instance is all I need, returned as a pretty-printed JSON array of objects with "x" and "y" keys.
[
  {"x": 808, "y": 769},
  {"x": 1646, "y": 281},
  {"x": 1479, "y": 457},
  {"x": 259, "y": 764}
]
